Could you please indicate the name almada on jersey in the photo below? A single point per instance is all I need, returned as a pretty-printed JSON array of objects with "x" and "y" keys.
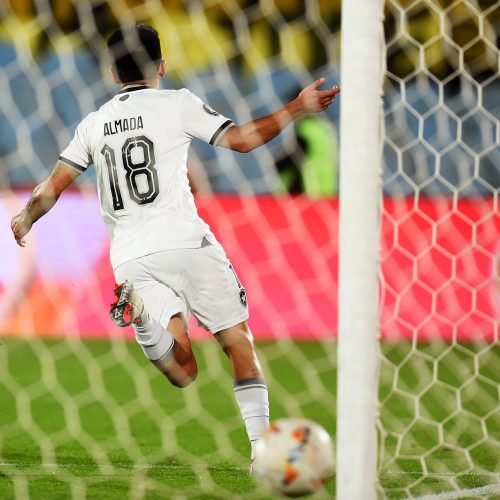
[{"x": 123, "y": 125}]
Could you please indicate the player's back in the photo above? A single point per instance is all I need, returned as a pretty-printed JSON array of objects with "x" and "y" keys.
[{"x": 138, "y": 142}]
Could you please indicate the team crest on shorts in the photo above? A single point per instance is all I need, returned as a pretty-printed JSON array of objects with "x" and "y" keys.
[
  {"x": 210, "y": 110},
  {"x": 243, "y": 297}
]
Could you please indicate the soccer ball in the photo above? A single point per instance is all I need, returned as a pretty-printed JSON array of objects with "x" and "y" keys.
[{"x": 294, "y": 457}]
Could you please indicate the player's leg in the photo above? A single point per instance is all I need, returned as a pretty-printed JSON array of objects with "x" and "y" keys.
[
  {"x": 250, "y": 387},
  {"x": 218, "y": 300},
  {"x": 155, "y": 312},
  {"x": 180, "y": 367},
  {"x": 237, "y": 343}
]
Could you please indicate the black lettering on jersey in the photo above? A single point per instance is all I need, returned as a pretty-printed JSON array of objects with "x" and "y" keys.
[
  {"x": 243, "y": 298},
  {"x": 123, "y": 125}
]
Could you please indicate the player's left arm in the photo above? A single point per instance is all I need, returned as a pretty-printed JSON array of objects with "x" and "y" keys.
[
  {"x": 42, "y": 199},
  {"x": 311, "y": 100}
]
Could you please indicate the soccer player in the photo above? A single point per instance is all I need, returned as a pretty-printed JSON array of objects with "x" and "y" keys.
[{"x": 166, "y": 259}]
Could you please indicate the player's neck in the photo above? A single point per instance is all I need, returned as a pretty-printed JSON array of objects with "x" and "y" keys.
[{"x": 154, "y": 83}]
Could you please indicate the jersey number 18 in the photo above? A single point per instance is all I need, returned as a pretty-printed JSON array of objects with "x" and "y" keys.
[{"x": 133, "y": 169}]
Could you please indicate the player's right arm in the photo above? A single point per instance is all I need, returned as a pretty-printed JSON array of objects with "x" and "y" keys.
[
  {"x": 71, "y": 164},
  {"x": 245, "y": 138},
  {"x": 42, "y": 199}
]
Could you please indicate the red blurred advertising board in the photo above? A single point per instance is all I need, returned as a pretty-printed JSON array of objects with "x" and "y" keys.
[{"x": 439, "y": 262}]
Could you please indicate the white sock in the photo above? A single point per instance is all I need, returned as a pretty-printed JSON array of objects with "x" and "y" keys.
[
  {"x": 155, "y": 340},
  {"x": 144, "y": 317},
  {"x": 251, "y": 396}
]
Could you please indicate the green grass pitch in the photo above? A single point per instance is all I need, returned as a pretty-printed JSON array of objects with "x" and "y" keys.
[{"x": 84, "y": 419}]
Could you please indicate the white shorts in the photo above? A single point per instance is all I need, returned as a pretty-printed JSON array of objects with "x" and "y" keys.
[{"x": 200, "y": 281}]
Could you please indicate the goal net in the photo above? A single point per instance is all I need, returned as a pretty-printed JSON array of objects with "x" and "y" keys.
[
  {"x": 83, "y": 414},
  {"x": 440, "y": 280}
]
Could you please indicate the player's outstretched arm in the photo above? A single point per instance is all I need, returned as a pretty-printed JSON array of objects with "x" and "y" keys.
[
  {"x": 253, "y": 134},
  {"x": 42, "y": 199}
]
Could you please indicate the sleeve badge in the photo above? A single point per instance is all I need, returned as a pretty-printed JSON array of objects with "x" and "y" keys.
[{"x": 210, "y": 110}]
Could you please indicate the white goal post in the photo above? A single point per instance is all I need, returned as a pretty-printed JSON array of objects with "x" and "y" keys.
[
  {"x": 419, "y": 282},
  {"x": 362, "y": 71}
]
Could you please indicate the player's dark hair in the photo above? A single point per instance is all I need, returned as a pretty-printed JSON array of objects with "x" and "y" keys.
[{"x": 135, "y": 52}]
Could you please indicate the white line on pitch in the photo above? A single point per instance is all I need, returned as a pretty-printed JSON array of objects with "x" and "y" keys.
[
  {"x": 431, "y": 474},
  {"x": 111, "y": 465},
  {"x": 473, "y": 492}
]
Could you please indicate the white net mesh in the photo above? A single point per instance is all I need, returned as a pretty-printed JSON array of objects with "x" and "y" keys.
[
  {"x": 83, "y": 413},
  {"x": 439, "y": 396}
]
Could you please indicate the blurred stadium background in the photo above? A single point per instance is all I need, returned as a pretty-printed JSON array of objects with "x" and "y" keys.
[{"x": 83, "y": 415}]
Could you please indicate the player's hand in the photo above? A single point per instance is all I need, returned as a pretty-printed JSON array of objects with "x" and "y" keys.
[
  {"x": 311, "y": 100},
  {"x": 20, "y": 228}
]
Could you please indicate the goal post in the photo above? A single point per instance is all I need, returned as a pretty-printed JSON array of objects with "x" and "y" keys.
[
  {"x": 420, "y": 270},
  {"x": 362, "y": 57}
]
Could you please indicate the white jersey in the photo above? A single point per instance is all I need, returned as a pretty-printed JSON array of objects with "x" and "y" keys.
[{"x": 138, "y": 142}]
